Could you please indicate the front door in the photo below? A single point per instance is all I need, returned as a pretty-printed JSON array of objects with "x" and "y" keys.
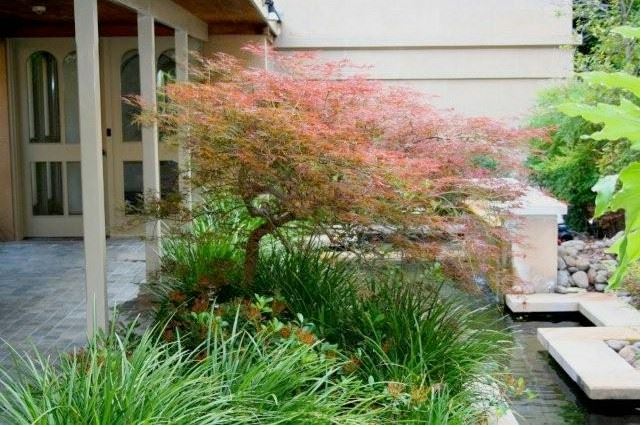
[
  {"x": 48, "y": 131},
  {"x": 124, "y": 135},
  {"x": 49, "y": 137}
]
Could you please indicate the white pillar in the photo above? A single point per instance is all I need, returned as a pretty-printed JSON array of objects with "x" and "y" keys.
[
  {"x": 181, "y": 40},
  {"x": 150, "y": 165},
  {"x": 93, "y": 199}
]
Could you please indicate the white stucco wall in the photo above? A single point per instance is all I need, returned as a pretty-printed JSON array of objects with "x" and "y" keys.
[{"x": 480, "y": 57}]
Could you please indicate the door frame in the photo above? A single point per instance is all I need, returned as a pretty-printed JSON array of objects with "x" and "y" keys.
[{"x": 35, "y": 225}]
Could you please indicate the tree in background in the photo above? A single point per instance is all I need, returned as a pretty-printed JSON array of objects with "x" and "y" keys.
[
  {"x": 619, "y": 123},
  {"x": 601, "y": 49},
  {"x": 316, "y": 142},
  {"x": 566, "y": 163}
]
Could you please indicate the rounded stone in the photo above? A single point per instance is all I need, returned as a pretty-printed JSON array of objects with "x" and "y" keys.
[
  {"x": 561, "y": 265},
  {"x": 601, "y": 277},
  {"x": 562, "y": 278},
  {"x": 573, "y": 269},
  {"x": 578, "y": 245},
  {"x": 570, "y": 260},
  {"x": 568, "y": 252},
  {"x": 580, "y": 279},
  {"x": 600, "y": 287},
  {"x": 592, "y": 275},
  {"x": 582, "y": 263}
]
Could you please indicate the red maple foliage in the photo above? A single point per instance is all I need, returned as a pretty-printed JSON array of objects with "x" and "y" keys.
[{"x": 315, "y": 141}]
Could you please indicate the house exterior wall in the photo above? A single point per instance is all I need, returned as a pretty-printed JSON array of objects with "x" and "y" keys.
[
  {"x": 480, "y": 57},
  {"x": 7, "y": 220}
]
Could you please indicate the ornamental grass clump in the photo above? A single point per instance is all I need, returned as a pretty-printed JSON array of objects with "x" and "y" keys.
[
  {"x": 397, "y": 329},
  {"x": 233, "y": 378}
]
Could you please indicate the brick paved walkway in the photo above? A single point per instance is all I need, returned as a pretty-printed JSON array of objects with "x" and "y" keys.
[{"x": 42, "y": 294}]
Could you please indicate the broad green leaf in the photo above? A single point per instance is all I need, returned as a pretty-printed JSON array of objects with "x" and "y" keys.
[
  {"x": 627, "y": 198},
  {"x": 627, "y": 31},
  {"x": 619, "y": 121},
  {"x": 627, "y": 251},
  {"x": 604, "y": 189},
  {"x": 618, "y": 80}
]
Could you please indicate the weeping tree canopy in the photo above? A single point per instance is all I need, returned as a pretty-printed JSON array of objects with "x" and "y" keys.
[{"x": 318, "y": 142}]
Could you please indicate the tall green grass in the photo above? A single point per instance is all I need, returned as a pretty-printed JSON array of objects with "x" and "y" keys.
[
  {"x": 397, "y": 329},
  {"x": 234, "y": 378}
]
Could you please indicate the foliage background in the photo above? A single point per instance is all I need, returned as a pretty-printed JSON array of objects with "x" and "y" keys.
[{"x": 565, "y": 164}]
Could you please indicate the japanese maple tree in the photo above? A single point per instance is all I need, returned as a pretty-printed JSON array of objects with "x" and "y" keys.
[{"x": 315, "y": 141}]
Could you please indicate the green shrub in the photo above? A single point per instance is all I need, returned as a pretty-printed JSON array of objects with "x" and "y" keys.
[{"x": 569, "y": 165}]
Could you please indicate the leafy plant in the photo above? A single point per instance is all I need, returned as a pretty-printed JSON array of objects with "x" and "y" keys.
[
  {"x": 620, "y": 122},
  {"x": 602, "y": 48},
  {"x": 569, "y": 165}
]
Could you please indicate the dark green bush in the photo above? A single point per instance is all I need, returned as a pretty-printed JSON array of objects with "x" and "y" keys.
[{"x": 567, "y": 164}]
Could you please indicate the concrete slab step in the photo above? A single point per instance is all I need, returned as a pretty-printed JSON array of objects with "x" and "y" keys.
[
  {"x": 609, "y": 313},
  {"x": 600, "y": 309},
  {"x": 597, "y": 369}
]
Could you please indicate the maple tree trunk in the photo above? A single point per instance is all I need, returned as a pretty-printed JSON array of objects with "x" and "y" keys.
[{"x": 251, "y": 252}]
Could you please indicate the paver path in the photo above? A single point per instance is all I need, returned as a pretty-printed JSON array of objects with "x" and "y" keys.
[{"x": 42, "y": 294}]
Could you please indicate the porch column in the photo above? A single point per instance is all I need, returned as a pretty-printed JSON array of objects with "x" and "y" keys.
[
  {"x": 93, "y": 199},
  {"x": 150, "y": 165},
  {"x": 181, "y": 48}
]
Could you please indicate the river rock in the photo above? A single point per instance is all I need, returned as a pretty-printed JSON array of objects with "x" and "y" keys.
[
  {"x": 600, "y": 287},
  {"x": 562, "y": 278},
  {"x": 616, "y": 345},
  {"x": 592, "y": 275},
  {"x": 580, "y": 279},
  {"x": 601, "y": 277},
  {"x": 573, "y": 269},
  {"x": 582, "y": 263},
  {"x": 561, "y": 265},
  {"x": 567, "y": 251},
  {"x": 570, "y": 260},
  {"x": 579, "y": 245},
  {"x": 628, "y": 354}
]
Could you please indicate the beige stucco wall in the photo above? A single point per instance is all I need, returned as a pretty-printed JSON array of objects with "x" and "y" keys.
[
  {"x": 7, "y": 224},
  {"x": 480, "y": 57},
  {"x": 232, "y": 44}
]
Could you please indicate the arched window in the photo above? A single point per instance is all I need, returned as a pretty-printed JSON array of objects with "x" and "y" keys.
[
  {"x": 166, "y": 68},
  {"x": 44, "y": 110},
  {"x": 70, "y": 98},
  {"x": 130, "y": 86}
]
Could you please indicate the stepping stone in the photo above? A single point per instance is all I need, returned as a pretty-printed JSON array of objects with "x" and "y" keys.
[
  {"x": 597, "y": 369},
  {"x": 600, "y": 309},
  {"x": 609, "y": 313}
]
